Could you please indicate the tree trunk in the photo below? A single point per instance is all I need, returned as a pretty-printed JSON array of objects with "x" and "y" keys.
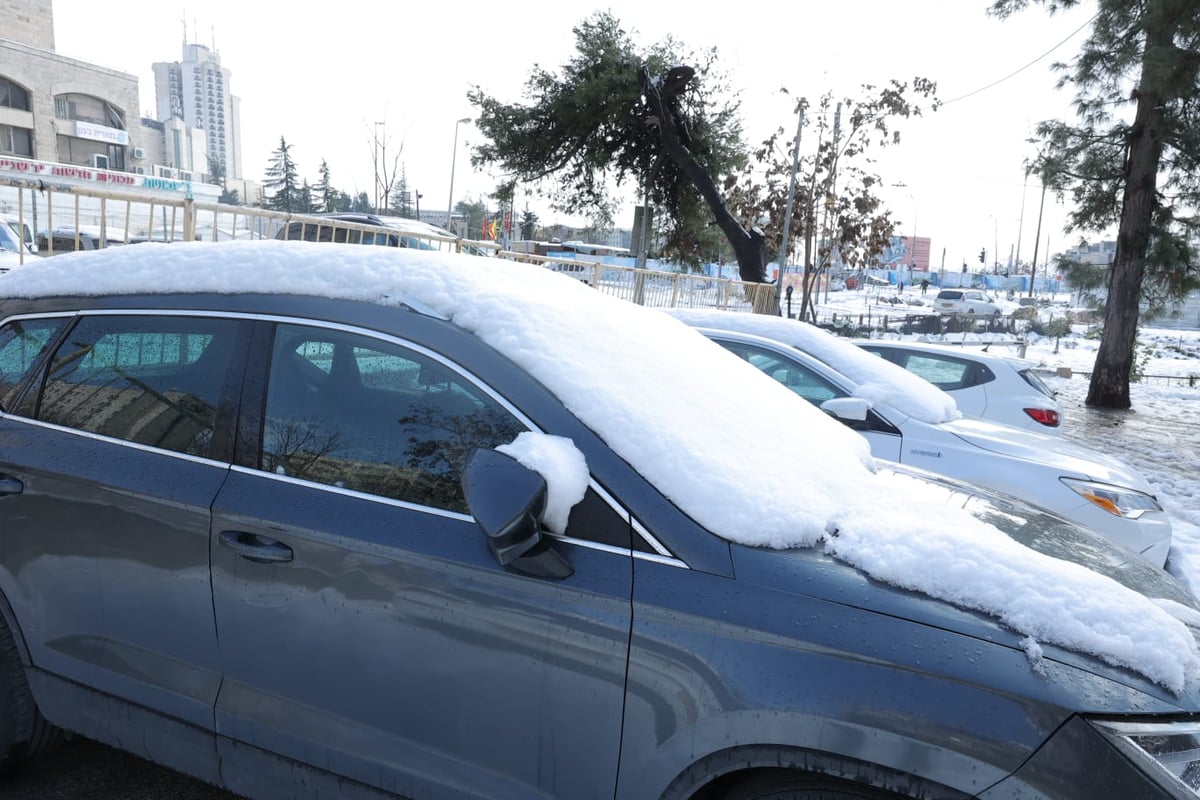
[
  {"x": 749, "y": 246},
  {"x": 1109, "y": 387}
]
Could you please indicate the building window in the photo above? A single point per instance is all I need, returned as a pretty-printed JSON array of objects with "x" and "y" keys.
[
  {"x": 85, "y": 108},
  {"x": 13, "y": 96},
  {"x": 16, "y": 141}
]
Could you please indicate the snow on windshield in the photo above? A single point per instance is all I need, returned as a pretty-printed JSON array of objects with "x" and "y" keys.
[{"x": 688, "y": 415}]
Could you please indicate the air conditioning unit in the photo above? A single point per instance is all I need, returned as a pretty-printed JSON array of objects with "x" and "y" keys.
[
  {"x": 98, "y": 161},
  {"x": 138, "y": 153},
  {"x": 139, "y": 170}
]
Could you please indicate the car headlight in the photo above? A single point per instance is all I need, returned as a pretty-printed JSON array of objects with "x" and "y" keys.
[
  {"x": 1170, "y": 750},
  {"x": 1116, "y": 500}
]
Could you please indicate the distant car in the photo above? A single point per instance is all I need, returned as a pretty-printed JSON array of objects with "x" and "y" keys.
[
  {"x": 1001, "y": 388},
  {"x": 967, "y": 301},
  {"x": 23, "y": 231},
  {"x": 916, "y": 424},
  {"x": 341, "y": 227},
  {"x": 12, "y": 252},
  {"x": 66, "y": 239}
]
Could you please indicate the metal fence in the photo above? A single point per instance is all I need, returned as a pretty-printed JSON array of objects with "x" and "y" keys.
[{"x": 68, "y": 217}]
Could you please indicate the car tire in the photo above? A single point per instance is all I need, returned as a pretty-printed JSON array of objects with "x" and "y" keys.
[
  {"x": 24, "y": 732},
  {"x": 781, "y": 784}
]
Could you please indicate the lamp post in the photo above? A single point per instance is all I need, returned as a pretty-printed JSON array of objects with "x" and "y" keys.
[{"x": 453, "y": 159}]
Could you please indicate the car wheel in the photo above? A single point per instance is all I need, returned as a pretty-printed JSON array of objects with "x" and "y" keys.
[
  {"x": 779, "y": 784},
  {"x": 24, "y": 732}
]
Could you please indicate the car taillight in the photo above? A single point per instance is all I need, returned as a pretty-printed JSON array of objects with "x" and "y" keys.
[{"x": 1046, "y": 416}]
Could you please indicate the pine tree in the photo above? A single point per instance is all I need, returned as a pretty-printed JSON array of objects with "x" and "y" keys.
[
  {"x": 1130, "y": 162},
  {"x": 326, "y": 197},
  {"x": 282, "y": 180},
  {"x": 402, "y": 205},
  {"x": 620, "y": 113}
]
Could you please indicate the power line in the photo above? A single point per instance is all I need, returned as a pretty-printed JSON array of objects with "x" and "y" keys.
[{"x": 1027, "y": 66}]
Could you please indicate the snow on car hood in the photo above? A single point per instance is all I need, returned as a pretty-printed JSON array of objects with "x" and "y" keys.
[{"x": 1069, "y": 457}]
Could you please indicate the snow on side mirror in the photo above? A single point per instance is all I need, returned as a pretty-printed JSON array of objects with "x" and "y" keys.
[{"x": 507, "y": 500}]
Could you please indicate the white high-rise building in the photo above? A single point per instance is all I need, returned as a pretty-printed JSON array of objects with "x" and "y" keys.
[{"x": 196, "y": 90}]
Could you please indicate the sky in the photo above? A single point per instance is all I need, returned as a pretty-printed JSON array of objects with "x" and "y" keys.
[
  {"x": 676, "y": 413},
  {"x": 324, "y": 81}
]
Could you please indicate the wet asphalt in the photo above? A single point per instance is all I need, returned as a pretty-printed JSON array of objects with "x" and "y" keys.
[{"x": 81, "y": 769}]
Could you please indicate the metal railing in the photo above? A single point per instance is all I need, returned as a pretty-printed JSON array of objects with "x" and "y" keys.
[{"x": 70, "y": 217}]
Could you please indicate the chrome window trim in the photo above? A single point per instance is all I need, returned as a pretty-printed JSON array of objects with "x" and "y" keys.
[
  {"x": 146, "y": 448},
  {"x": 660, "y": 551},
  {"x": 441, "y": 512}
]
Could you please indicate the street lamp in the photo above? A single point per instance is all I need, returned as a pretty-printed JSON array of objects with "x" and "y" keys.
[{"x": 453, "y": 159}]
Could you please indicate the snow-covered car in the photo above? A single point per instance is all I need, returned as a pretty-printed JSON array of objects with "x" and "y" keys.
[
  {"x": 909, "y": 420},
  {"x": 1002, "y": 388},
  {"x": 328, "y": 520},
  {"x": 967, "y": 301}
]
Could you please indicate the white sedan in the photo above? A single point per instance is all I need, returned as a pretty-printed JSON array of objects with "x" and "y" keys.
[
  {"x": 909, "y": 420},
  {"x": 992, "y": 386}
]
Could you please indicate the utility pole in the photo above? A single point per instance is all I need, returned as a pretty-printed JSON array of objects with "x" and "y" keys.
[
  {"x": 1036, "y": 241},
  {"x": 787, "y": 213}
]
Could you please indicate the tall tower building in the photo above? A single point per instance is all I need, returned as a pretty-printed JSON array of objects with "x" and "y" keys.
[{"x": 196, "y": 90}]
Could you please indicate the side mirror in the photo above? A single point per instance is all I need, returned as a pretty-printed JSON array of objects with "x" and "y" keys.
[
  {"x": 508, "y": 499},
  {"x": 847, "y": 409}
]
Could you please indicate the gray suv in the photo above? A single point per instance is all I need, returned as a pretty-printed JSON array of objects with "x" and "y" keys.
[{"x": 267, "y": 516}]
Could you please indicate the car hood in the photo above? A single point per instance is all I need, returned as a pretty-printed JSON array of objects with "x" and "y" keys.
[
  {"x": 837, "y": 582},
  {"x": 1028, "y": 445}
]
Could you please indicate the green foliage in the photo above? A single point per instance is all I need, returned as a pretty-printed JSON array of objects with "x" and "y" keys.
[
  {"x": 1142, "y": 355},
  {"x": 475, "y": 213},
  {"x": 325, "y": 198},
  {"x": 282, "y": 180},
  {"x": 529, "y": 222},
  {"x": 1056, "y": 327},
  {"x": 403, "y": 197},
  {"x": 1131, "y": 160},
  {"x": 587, "y": 131}
]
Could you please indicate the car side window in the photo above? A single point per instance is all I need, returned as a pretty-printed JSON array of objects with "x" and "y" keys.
[
  {"x": 944, "y": 373},
  {"x": 153, "y": 380},
  {"x": 359, "y": 413},
  {"x": 21, "y": 343},
  {"x": 796, "y": 377}
]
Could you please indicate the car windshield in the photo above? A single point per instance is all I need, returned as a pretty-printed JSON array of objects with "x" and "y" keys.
[{"x": 9, "y": 239}]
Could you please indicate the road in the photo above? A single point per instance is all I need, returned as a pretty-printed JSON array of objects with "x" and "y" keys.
[{"x": 85, "y": 770}]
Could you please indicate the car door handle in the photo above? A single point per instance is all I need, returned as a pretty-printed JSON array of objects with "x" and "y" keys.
[
  {"x": 253, "y": 547},
  {"x": 10, "y": 485}
]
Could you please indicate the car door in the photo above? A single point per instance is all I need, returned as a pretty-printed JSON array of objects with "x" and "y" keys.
[
  {"x": 109, "y": 467},
  {"x": 365, "y": 628}
]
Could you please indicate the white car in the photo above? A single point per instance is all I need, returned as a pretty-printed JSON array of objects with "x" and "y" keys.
[
  {"x": 1001, "y": 388},
  {"x": 967, "y": 301},
  {"x": 908, "y": 420}
]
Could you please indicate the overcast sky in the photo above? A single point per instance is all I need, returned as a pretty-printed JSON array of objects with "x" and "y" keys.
[{"x": 322, "y": 81}]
